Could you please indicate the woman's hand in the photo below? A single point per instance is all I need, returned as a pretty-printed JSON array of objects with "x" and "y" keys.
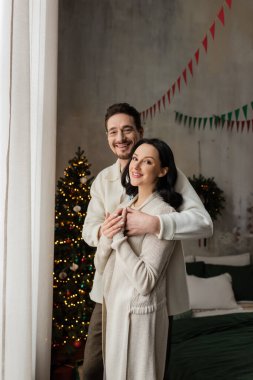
[{"x": 114, "y": 223}]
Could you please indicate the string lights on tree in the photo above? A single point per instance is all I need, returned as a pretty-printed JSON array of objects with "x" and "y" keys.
[{"x": 73, "y": 264}]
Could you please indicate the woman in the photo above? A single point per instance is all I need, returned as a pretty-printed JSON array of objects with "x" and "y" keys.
[{"x": 136, "y": 270}]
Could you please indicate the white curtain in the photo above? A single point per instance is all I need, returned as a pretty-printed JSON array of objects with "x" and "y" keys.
[{"x": 28, "y": 78}]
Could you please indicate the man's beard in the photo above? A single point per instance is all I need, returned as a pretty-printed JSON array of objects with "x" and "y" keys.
[{"x": 124, "y": 156}]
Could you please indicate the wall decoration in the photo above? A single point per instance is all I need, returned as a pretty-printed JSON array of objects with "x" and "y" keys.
[
  {"x": 188, "y": 71},
  {"x": 219, "y": 121}
]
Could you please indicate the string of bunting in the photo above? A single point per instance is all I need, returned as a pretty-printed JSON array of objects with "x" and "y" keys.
[
  {"x": 229, "y": 119},
  {"x": 188, "y": 71}
]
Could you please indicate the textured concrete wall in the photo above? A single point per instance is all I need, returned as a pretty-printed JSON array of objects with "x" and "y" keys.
[{"x": 112, "y": 50}]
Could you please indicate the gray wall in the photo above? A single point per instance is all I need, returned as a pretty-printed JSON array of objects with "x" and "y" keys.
[{"x": 112, "y": 50}]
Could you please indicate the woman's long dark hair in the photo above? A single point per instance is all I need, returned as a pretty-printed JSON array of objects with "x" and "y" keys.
[{"x": 165, "y": 185}]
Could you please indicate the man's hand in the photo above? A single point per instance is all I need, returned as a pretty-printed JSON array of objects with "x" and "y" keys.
[
  {"x": 140, "y": 223},
  {"x": 113, "y": 223}
]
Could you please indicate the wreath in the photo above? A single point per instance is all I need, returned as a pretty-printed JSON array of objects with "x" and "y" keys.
[{"x": 210, "y": 194}]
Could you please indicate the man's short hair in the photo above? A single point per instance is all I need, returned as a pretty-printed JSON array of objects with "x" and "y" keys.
[{"x": 124, "y": 108}]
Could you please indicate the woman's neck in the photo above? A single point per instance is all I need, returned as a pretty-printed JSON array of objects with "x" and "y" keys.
[{"x": 143, "y": 195}]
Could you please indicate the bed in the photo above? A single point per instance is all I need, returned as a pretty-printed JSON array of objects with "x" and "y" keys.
[{"x": 214, "y": 340}]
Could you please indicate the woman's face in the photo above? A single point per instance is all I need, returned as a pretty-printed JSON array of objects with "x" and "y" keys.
[{"x": 145, "y": 167}]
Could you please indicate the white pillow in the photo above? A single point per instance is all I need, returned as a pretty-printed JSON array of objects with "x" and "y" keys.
[
  {"x": 211, "y": 293},
  {"x": 189, "y": 259},
  {"x": 233, "y": 260}
]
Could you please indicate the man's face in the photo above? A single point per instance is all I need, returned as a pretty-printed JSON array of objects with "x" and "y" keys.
[{"x": 122, "y": 134}]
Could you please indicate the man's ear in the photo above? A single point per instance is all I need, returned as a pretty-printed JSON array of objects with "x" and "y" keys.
[{"x": 163, "y": 172}]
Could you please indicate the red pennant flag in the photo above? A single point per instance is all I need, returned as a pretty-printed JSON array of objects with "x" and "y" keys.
[
  {"x": 243, "y": 122},
  {"x": 229, "y": 3},
  {"x": 204, "y": 43},
  {"x": 159, "y": 104},
  {"x": 237, "y": 125},
  {"x": 190, "y": 67},
  {"x": 212, "y": 29},
  {"x": 168, "y": 95},
  {"x": 150, "y": 111},
  {"x": 164, "y": 101},
  {"x": 248, "y": 125},
  {"x": 154, "y": 108},
  {"x": 185, "y": 76},
  {"x": 146, "y": 114},
  {"x": 178, "y": 83},
  {"x": 197, "y": 56},
  {"x": 221, "y": 16},
  {"x": 173, "y": 88}
]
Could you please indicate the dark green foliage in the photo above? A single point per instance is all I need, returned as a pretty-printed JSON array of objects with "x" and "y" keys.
[{"x": 211, "y": 196}]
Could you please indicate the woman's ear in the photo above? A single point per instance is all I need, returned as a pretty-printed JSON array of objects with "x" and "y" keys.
[{"x": 163, "y": 172}]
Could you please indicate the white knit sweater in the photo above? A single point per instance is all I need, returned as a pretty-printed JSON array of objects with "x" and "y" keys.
[{"x": 143, "y": 277}]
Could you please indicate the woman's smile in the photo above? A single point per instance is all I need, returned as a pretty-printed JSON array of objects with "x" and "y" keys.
[{"x": 135, "y": 174}]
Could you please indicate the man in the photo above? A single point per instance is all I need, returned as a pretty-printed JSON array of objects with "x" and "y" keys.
[{"x": 123, "y": 128}]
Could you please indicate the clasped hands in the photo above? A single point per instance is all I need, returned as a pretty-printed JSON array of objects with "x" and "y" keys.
[
  {"x": 131, "y": 222},
  {"x": 114, "y": 223}
]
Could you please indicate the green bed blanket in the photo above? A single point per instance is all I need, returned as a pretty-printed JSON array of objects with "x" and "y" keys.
[{"x": 210, "y": 348}]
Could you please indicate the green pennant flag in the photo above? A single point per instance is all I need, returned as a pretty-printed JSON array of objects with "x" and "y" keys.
[
  {"x": 245, "y": 110},
  {"x": 180, "y": 117},
  {"x": 230, "y": 116},
  {"x": 237, "y": 112},
  {"x": 190, "y": 120},
  {"x": 204, "y": 124},
  {"x": 194, "y": 121},
  {"x": 216, "y": 121},
  {"x": 177, "y": 113},
  {"x": 199, "y": 122},
  {"x": 211, "y": 122},
  {"x": 185, "y": 119},
  {"x": 223, "y": 119}
]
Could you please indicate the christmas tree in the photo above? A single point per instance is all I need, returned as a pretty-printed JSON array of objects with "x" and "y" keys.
[{"x": 73, "y": 264}]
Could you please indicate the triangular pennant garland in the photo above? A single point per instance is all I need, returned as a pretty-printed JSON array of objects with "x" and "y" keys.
[
  {"x": 212, "y": 30},
  {"x": 237, "y": 112},
  {"x": 151, "y": 111},
  {"x": 229, "y": 3},
  {"x": 221, "y": 120},
  {"x": 159, "y": 105},
  {"x": 190, "y": 67},
  {"x": 204, "y": 43},
  {"x": 185, "y": 76},
  {"x": 245, "y": 110},
  {"x": 221, "y": 16},
  {"x": 163, "y": 99},
  {"x": 173, "y": 88},
  {"x": 154, "y": 108},
  {"x": 197, "y": 56},
  {"x": 168, "y": 96},
  {"x": 178, "y": 83}
]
